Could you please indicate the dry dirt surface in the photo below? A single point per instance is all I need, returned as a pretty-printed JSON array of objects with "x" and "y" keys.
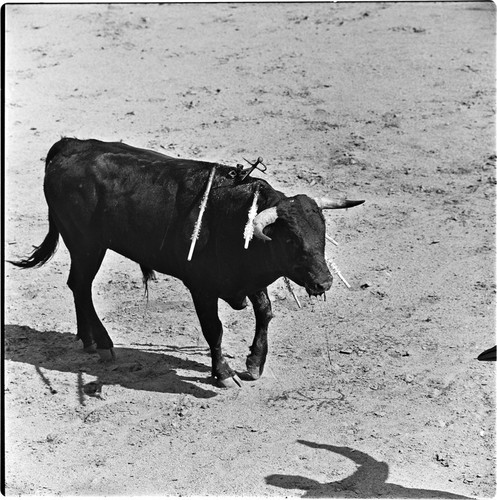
[{"x": 376, "y": 392}]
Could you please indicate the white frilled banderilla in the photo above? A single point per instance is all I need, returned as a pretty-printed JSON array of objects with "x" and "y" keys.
[
  {"x": 248, "y": 232},
  {"x": 203, "y": 204}
]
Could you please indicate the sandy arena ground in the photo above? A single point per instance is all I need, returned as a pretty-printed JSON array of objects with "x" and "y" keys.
[{"x": 376, "y": 392}]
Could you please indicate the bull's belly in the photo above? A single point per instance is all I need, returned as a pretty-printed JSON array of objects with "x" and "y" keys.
[{"x": 162, "y": 262}]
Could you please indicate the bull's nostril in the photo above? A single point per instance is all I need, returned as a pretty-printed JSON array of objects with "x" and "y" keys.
[
  {"x": 324, "y": 286},
  {"x": 327, "y": 285}
]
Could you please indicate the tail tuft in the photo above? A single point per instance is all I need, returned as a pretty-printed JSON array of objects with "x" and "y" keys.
[
  {"x": 148, "y": 274},
  {"x": 44, "y": 252}
]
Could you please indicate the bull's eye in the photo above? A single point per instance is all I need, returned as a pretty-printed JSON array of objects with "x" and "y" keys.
[{"x": 292, "y": 243}]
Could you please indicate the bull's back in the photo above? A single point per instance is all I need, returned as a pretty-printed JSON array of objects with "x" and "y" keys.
[{"x": 73, "y": 146}]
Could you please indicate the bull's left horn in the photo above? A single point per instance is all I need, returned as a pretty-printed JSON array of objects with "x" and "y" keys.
[
  {"x": 262, "y": 220},
  {"x": 325, "y": 203}
]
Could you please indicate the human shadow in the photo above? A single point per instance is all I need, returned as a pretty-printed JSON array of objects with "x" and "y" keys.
[
  {"x": 368, "y": 481},
  {"x": 148, "y": 368}
]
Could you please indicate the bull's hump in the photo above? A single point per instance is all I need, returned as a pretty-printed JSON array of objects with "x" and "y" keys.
[{"x": 70, "y": 146}]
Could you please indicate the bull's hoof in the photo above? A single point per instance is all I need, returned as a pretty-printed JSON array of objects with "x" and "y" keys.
[
  {"x": 230, "y": 382},
  {"x": 106, "y": 355},
  {"x": 253, "y": 373},
  {"x": 254, "y": 369},
  {"x": 90, "y": 349}
]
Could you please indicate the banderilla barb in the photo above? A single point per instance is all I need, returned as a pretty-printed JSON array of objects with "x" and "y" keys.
[
  {"x": 334, "y": 267},
  {"x": 203, "y": 204},
  {"x": 290, "y": 289},
  {"x": 329, "y": 238}
]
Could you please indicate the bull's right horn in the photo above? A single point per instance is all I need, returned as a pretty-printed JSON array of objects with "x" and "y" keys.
[
  {"x": 325, "y": 203},
  {"x": 266, "y": 217}
]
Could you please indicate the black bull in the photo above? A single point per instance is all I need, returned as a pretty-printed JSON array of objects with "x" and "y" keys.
[{"x": 144, "y": 206}]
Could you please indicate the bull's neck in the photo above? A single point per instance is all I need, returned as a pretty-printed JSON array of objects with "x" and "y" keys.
[{"x": 269, "y": 263}]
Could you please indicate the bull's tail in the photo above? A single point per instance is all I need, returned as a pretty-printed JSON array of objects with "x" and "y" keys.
[{"x": 44, "y": 252}]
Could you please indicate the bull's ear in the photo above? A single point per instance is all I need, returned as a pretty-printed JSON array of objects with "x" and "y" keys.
[{"x": 328, "y": 203}]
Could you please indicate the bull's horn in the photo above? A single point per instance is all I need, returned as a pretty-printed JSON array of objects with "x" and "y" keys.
[
  {"x": 262, "y": 220},
  {"x": 333, "y": 204}
]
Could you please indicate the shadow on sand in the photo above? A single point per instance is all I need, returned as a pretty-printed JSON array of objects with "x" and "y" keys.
[
  {"x": 153, "y": 369},
  {"x": 368, "y": 481}
]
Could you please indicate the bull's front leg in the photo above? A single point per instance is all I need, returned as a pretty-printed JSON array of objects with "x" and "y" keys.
[
  {"x": 212, "y": 328},
  {"x": 258, "y": 350}
]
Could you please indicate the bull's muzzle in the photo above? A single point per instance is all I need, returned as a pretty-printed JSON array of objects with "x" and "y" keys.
[{"x": 315, "y": 289}]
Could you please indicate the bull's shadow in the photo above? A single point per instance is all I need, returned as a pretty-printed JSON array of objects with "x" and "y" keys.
[
  {"x": 153, "y": 369},
  {"x": 368, "y": 481}
]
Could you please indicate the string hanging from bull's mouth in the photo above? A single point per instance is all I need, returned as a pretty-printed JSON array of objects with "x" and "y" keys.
[
  {"x": 290, "y": 289},
  {"x": 203, "y": 204},
  {"x": 334, "y": 268},
  {"x": 248, "y": 232}
]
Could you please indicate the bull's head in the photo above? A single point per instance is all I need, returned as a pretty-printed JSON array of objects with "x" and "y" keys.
[{"x": 297, "y": 230}]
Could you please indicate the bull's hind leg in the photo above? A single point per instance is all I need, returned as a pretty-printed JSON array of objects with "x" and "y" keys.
[
  {"x": 85, "y": 263},
  {"x": 258, "y": 350}
]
